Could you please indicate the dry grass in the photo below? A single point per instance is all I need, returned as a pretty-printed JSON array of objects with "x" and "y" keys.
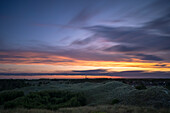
[{"x": 95, "y": 109}]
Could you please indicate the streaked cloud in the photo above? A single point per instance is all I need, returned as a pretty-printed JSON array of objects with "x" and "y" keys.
[
  {"x": 95, "y": 73},
  {"x": 109, "y": 35}
]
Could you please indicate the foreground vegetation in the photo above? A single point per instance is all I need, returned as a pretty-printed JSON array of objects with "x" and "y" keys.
[
  {"x": 60, "y": 96},
  {"x": 10, "y": 95},
  {"x": 95, "y": 109},
  {"x": 42, "y": 100}
]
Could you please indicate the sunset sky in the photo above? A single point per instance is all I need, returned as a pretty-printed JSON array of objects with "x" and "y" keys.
[{"x": 73, "y": 38}]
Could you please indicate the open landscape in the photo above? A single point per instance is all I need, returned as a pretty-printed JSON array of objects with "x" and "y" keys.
[
  {"x": 86, "y": 96},
  {"x": 84, "y": 56}
]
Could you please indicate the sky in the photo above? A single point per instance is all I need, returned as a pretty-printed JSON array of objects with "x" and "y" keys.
[{"x": 74, "y": 38}]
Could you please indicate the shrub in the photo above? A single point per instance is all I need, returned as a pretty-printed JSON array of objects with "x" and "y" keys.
[
  {"x": 168, "y": 86},
  {"x": 48, "y": 100},
  {"x": 115, "y": 101},
  {"x": 10, "y": 105},
  {"x": 10, "y": 95},
  {"x": 140, "y": 87}
]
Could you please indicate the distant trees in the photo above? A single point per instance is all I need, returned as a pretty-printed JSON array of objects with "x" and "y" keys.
[{"x": 12, "y": 84}]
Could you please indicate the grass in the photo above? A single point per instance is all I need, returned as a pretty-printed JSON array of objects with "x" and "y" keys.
[{"x": 94, "y": 109}]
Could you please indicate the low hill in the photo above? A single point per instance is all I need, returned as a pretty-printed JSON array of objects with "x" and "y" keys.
[{"x": 106, "y": 92}]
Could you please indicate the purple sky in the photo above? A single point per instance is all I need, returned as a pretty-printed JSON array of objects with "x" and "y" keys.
[{"x": 49, "y": 36}]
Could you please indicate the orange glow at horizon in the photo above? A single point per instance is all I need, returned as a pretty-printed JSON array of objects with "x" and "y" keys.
[
  {"x": 33, "y": 62},
  {"x": 58, "y": 77}
]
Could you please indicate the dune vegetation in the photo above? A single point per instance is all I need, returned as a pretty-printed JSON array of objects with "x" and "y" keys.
[
  {"x": 87, "y": 97},
  {"x": 42, "y": 100}
]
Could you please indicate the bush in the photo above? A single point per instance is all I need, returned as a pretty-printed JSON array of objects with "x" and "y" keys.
[
  {"x": 48, "y": 100},
  {"x": 10, "y": 105},
  {"x": 168, "y": 86},
  {"x": 115, "y": 101},
  {"x": 10, "y": 95},
  {"x": 140, "y": 87},
  {"x": 9, "y": 84}
]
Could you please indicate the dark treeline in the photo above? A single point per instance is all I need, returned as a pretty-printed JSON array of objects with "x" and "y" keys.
[
  {"x": 134, "y": 82},
  {"x": 8, "y": 84}
]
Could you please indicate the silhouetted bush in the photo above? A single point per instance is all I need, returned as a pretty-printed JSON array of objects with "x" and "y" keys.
[
  {"x": 10, "y": 105},
  {"x": 10, "y": 95},
  {"x": 168, "y": 85},
  {"x": 115, "y": 101},
  {"x": 48, "y": 100},
  {"x": 12, "y": 84},
  {"x": 140, "y": 87}
]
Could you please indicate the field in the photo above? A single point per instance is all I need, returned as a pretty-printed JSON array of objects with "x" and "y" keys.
[{"x": 98, "y": 96}]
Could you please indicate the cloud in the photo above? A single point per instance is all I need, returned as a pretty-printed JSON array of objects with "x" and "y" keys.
[
  {"x": 83, "y": 16},
  {"x": 153, "y": 35},
  {"x": 160, "y": 65},
  {"x": 123, "y": 43},
  {"x": 149, "y": 57},
  {"x": 124, "y": 74},
  {"x": 84, "y": 41},
  {"x": 132, "y": 36},
  {"x": 11, "y": 56},
  {"x": 161, "y": 25},
  {"x": 28, "y": 57},
  {"x": 124, "y": 48},
  {"x": 92, "y": 71},
  {"x": 57, "y": 25},
  {"x": 142, "y": 74},
  {"x": 148, "y": 41}
]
